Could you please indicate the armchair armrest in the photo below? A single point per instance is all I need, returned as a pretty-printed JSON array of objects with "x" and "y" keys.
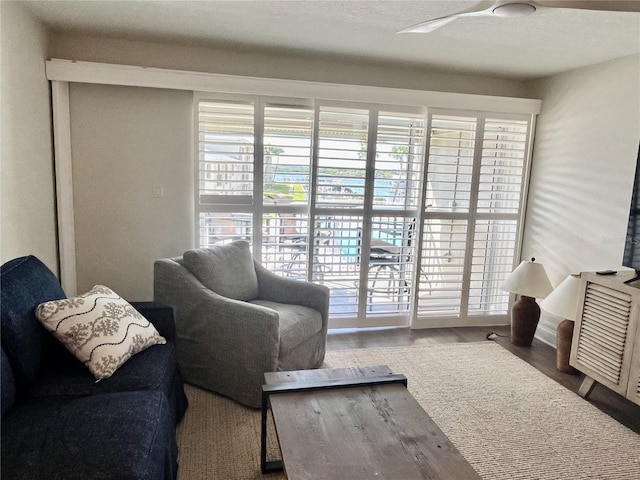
[
  {"x": 161, "y": 316},
  {"x": 295, "y": 292}
]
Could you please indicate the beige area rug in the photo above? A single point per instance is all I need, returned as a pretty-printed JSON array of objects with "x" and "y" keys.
[{"x": 507, "y": 419}]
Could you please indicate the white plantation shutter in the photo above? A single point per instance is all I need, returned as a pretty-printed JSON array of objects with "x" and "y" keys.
[
  {"x": 473, "y": 199},
  {"x": 450, "y": 163},
  {"x": 504, "y": 145},
  {"x": 225, "y": 171},
  {"x": 442, "y": 267},
  {"x": 287, "y": 153},
  {"x": 342, "y": 157},
  {"x": 447, "y": 203},
  {"x": 226, "y": 140},
  {"x": 383, "y": 207},
  {"x": 494, "y": 244},
  {"x": 398, "y": 161},
  {"x": 286, "y": 178},
  {"x": 406, "y": 217},
  {"x": 338, "y": 260},
  {"x": 399, "y": 157},
  {"x": 502, "y": 166}
]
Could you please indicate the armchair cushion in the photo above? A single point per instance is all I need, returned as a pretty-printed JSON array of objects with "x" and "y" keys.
[
  {"x": 225, "y": 269},
  {"x": 297, "y": 323}
]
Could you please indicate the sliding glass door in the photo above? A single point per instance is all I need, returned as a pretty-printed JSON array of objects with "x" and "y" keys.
[{"x": 406, "y": 217}]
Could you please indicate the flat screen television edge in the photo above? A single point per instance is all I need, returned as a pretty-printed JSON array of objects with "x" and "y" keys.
[{"x": 631, "y": 256}]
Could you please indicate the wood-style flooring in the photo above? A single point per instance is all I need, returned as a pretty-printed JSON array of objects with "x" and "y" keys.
[{"x": 539, "y": 355}]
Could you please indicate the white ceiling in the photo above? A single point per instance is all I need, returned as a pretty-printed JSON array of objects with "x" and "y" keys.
[{"x": 546, "y": 43}]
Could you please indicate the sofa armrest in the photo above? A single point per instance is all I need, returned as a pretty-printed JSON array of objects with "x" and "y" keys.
[{"x": 162, "y": 317}]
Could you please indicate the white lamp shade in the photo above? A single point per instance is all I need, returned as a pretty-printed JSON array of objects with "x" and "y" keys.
[
  {"x": 528, "y": 279},
  {"x": 563, "y": 301}
]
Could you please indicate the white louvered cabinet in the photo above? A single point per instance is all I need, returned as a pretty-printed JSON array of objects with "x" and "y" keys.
[{"x": 606, "y": 343}]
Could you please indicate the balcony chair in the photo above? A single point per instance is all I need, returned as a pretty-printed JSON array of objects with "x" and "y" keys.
[
  {"x": 235, "y": 320},
  {"x": 389, "y": 258},
  {"x": 293, "y": 239}
]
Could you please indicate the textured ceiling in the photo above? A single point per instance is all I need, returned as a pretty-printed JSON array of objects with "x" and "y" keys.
[{"x": 548, "y": 42}]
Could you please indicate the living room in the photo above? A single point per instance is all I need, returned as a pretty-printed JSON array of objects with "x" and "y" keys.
[{"x": 583, "y": 157}]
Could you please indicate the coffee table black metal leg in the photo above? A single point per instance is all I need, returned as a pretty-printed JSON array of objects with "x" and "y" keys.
[{"x": 265, "y": 465}]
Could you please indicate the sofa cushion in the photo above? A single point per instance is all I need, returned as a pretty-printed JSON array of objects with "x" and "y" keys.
[
  {"x": 225, "y": 269},
  {"x": 100, "y": 328},
  {"x": 297, "y": 323},
  {"x": 26, "y": 282},
  {"x": 151, "y": 369},
  {"x": 122, "y": 436},
  {"x": 8, "y": 391}
]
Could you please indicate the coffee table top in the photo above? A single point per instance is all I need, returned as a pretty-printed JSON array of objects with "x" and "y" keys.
[{"x": 360, "y": 432}]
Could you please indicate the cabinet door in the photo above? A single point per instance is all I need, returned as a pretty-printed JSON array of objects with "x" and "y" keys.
[{"x": 602, "y": 347}]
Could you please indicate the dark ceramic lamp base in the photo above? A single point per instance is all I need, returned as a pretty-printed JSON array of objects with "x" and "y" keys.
[
  {"x": 564, "y": 336},
  {"x": 525, "y": 315}
]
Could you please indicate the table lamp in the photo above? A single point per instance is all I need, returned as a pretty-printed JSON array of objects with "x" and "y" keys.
[
  {"x": 529, "y": 281},
  {"x": 563, "y": 303}
]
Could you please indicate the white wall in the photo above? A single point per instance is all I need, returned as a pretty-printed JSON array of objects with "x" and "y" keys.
[
  {"x": 125, "y": 141},
  {"x": 582, "y": 172},
  {"x": 28, "y": 224}
]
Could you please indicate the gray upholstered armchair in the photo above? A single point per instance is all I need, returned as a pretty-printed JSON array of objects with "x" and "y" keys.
[{"x": 236, "y": 320}]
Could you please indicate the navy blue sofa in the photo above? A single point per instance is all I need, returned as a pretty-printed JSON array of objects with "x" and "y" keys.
[{"x": 57, "y": 421}]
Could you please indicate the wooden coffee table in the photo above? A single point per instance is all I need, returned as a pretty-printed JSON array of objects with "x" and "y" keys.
[{"x": 354, "y": 423}]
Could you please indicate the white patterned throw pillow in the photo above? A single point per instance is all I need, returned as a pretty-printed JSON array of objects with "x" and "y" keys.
[{"x": 100, "y": 328}]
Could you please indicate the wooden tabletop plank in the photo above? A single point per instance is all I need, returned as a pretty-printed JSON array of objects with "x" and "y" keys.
[
  {"x": 360, "y": 432},
  {"x": 320, "y": 374}
]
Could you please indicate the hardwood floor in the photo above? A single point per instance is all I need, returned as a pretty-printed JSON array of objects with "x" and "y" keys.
[{"x": 539, "y": 355}]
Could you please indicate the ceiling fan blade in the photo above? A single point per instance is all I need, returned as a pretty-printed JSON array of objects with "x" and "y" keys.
[
  {"x": 431, "y": 25},
  {"x": 606, "y": 5}
]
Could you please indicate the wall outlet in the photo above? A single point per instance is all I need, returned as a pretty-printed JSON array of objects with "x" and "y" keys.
[{"x": 157, "y": 191}]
